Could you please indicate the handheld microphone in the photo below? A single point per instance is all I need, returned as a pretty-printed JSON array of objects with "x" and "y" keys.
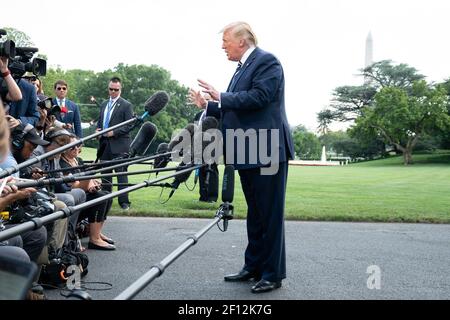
[
  {"x": 227, "y": 195},
  {"x": 209, "y": 123},
  {"x": 155, "y": 103},
  {"x": 228, "y": 184},
  {"x": 202, "y": 139},
  {"x": 161, "y": 161},
  {"x": 179, "y": 179},
  {"x": 190, "y": 129},
  {"x": 143, "y": 139},
  {"x": 197, "y": 173}
]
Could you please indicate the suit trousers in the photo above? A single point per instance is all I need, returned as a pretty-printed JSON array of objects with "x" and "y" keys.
[
  {"x": 106, "y": 182},
  {"x": 265, "y": 196}
]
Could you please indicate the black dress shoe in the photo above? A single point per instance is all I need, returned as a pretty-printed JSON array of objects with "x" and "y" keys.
[
  {"x": 94, "y": 246},
  {"x": 109, "y": 240},
  {"x": 265, "y": 286},
  {"x": 125, "y": 206},
  {"x": 242, "y": 275}
]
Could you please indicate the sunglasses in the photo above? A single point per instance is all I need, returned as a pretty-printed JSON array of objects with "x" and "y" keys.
[
  {"x": 61, "y": 88},
  {"x": 75, "y": 147},
  {"x": 115, "y": 90}
]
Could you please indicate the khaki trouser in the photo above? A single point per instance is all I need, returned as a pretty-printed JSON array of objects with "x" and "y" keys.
[{"x": 57, "y": 237}]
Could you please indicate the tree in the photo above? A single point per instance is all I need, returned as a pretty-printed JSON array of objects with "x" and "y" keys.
[
  {"x": 349, "y": 102},
  {"x": 21, "y": 39},
  {"x": 306, "y": 144},
  {"x": 139, "y": 82},
  {"x": 343, "y": 144},
  {"x": 401, "y": 118}
]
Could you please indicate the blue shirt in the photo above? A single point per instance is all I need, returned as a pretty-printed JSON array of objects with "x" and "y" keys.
[{"x": 9, "y": 161}]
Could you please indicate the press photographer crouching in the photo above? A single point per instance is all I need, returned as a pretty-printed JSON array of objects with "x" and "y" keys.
[{"x": 96, "y": 215}]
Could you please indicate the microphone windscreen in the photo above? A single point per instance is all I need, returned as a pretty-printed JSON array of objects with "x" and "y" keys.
[
  {"x": 228, "y": 184},
  {"x": 156, "y": 102},
  {"x": 161, "y": 161},
  {"x": 162, "y": 148},
  {"x": 190, "y": 128},
  {"x": 179, "y": 179},
  {"x": 143, "y": 139},
  {"x": 209, "y": 123}
]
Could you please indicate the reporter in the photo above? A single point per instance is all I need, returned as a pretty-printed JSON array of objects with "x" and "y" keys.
[{"x": 97, "y": 214}]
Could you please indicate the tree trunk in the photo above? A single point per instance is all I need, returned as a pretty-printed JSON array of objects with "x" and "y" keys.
[{"x": 407, "y": 156}]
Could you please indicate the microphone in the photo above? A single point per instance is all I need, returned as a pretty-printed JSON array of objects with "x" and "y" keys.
[
  {"x": 179, "y": 179},
  {"x": 227, "y": 195},
  {"x": 202, "y": 139},
  {"x": 228, "y": 184},
  {"x": 155, "y": 103},
  {"x": 143, "y": 139},
  {"x": 161, "y": 161},
  {"x": 209, "y": 123},
  {"x": 197, "y": 173},
  {"x": 190, "y": 128}
]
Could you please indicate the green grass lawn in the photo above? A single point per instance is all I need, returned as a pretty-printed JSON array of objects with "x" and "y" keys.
[{"x": 382, "y": 190}]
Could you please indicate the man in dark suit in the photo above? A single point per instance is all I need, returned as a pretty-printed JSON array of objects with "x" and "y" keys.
[
  {"x": 254, "y": 102},
  {"x": 115, "y": 143},
  {"x": 69, "y": 118},
  {"x": 25, "y": 110}
]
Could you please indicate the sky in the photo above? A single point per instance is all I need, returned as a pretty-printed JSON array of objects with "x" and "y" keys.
[{"x": 320, "y": 43}]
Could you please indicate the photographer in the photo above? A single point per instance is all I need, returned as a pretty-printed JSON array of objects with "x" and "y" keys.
[
  {"x": 14, "y": 93},
  {"x": 46, "y": 115},
  {"x": 21, "y": 151},
  {"x": 37, "y": 83},
  {"x": 25, "y": 110},
  {"x": 97, "y": 214},
  {"x": 71, "y": 197},
  {"x": 34, "y": 241}
]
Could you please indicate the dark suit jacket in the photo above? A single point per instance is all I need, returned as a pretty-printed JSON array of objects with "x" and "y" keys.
[
  {"x": 72, "y": 116},
  {"x": 256, "y": 101},
  {"x": 26, "y": 110},
  {"x": 120, "y": 142}
]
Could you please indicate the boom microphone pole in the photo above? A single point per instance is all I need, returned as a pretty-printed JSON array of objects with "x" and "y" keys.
[
  {"x": 36, "y": 223},
  {"x": 224, "y": 213},
  {"x": 152, "y": 106},
  {"x": 93, "y": 166},
  {"x": 73, "y": 178},
  {"x": 138, "y": 147}
]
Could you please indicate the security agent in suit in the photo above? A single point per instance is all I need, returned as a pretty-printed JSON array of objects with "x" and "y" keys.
[
  {"x": 255, "y": 100},
  {"x": 115, "y": 143},
  {"x": 69, "y": 118}
]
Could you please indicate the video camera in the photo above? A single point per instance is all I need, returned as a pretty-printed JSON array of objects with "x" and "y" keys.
[
  {"x": 39, "y": 204},
  {"x": 20, "y": 61},
  {"x": 7, "y": 48},
  {"x": 47, "y": 104}
]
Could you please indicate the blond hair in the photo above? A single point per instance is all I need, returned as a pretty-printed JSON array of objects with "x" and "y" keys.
[{"x": 242, "y": 30}]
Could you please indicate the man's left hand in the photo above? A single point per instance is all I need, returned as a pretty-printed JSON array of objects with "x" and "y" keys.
[{"x": 215, "y": 95}]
